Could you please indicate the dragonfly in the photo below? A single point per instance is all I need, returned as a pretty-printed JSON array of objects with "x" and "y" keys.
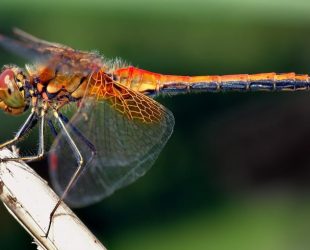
[{"x": 106, "y": 125}]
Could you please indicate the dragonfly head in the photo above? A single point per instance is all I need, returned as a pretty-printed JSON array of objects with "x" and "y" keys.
[{"x": 12, "y": 94}]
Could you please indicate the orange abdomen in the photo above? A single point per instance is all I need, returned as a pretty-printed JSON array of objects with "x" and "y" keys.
[{"x": 155, "y": 84}]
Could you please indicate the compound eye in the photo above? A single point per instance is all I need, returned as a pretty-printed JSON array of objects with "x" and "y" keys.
[
  {"x": 7, "y": 81},
  {"x": 10, "y": 93}
]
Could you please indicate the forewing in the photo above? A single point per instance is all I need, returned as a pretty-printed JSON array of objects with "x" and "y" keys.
[
  {"x": 31, "y": 47},
  {"x": 51, "y": 54},
  {"x": 37, "y": 42},
  {"x": 128, "y": 131}
]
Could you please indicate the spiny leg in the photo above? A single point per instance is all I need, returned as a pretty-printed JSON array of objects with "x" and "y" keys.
[
  {"x": 52, "y": 128},
  {"x": 76, "y": 131},
  {"x": 30, "y": 122},
  {"x": 77, "y": 172},
  {"x": 41, "y": 149}
]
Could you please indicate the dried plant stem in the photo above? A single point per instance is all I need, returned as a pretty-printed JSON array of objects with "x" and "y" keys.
[{"x": 30, "y": 200}]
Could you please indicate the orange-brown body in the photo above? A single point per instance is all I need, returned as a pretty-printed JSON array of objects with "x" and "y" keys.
[{"x": 101, "y": 85}]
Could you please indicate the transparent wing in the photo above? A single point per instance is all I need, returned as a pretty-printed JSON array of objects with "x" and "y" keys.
[
  {"x": 128, "y": 131},
  {"x": 38, "y": 43},
  {"x": 50, "y": 53}
]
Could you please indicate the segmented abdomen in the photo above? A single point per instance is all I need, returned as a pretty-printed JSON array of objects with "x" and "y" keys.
[
  {"x": 245, "y": 82},
  {"x": 154, "y": 84}
]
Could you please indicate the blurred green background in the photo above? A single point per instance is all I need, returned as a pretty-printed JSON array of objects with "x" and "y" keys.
[{"x": 236, "y": 172}]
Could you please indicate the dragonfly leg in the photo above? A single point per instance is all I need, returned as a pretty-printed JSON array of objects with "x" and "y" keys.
[
  {"x": 77, "y": 132},
  {"x": 80, "y": 166},
  {"x": 30, "y": 122},
  {"x": 41, "y": 149},
  {"x": 52, "y": 128}
]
